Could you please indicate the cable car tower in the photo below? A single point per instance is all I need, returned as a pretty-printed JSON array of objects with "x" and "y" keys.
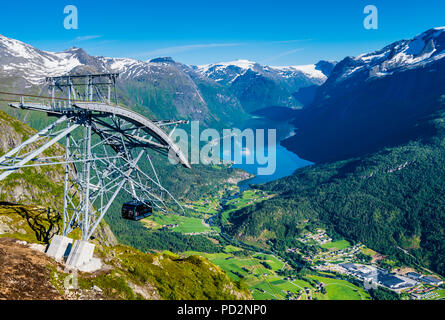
[{"x": 105, "y": 145}]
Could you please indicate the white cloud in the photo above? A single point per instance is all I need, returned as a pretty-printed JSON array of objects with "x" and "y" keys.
[
  {"x": 283, "y": 54},
  {"x": 86, "y": 38}
]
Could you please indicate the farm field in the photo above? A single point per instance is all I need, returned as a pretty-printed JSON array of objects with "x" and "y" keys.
[
  {"x": 266, "y": 284},
  {"x": 340, "y": 290},
  {"x": 337, "y": 245},
  {"x": 240, "y": 267},
  {"x": 208, "y": 207},
  {"x": 211, "y": 204},
  {"x": 182, "y": 224}
]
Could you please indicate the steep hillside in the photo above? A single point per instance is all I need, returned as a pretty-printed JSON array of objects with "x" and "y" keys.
[
  {"x": 390, "y": 199},
  {"x": 126, "y": 273},
  {"x": 374, "y": 100},
  {"x": 28, "y": 274},
  {"x": 38, "y": 186}
]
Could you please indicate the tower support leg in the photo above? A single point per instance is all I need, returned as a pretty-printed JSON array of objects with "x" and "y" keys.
[
  {"x": 60, "y": 247},
  {"x": 81, "y": 254}
]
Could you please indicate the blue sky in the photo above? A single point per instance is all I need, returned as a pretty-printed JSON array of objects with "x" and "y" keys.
[{"x": 274, "y": 32}]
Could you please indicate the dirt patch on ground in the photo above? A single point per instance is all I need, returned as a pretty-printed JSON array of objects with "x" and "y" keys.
[
  {"x": 405, "y": 270},
  {"x": 378, "y": 257},
  {"x": 25, "y": 273},
  {"x": 150, "y": 224}
]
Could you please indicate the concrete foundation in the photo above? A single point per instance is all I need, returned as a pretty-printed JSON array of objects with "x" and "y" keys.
[
  {"x": 94, "y": 265},
  {"x": 59, "y": 248},
  {"x": 81, "y": 254}
]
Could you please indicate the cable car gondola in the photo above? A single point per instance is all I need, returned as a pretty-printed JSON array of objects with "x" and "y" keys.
[{"x": 137, "y": 210}]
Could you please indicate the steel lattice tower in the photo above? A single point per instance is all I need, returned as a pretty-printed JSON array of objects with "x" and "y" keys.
[{"x": 104, "y": 147}]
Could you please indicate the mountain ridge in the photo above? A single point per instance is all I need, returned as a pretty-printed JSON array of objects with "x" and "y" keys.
[
  {"x": 191, "y": 92},
  {"x": 399, "y": 84}
]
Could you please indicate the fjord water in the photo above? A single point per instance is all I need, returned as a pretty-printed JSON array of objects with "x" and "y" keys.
[{"x": 286, "y": 161}]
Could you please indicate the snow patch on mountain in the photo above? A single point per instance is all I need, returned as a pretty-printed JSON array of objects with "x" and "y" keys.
[
  {"x": 242, "y": 64},
  {"x": 127, "y": 68},
  {"x": 23, "y": 60},
  {"x": 422, "y": 50},
  {"x": 309, "y": 70},
  {"x": 20, "y": 58},
  {"x": 228, "y": 72}
]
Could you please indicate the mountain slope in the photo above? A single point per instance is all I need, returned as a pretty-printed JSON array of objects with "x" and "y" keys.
[
  {"x": 160, "y": 87},
  {"x": 38, "y": 186},
  {"x": 28, "y": 274},
  {"x": 259, "y": 87},
  {"x": 218, "y": 95},
  {"x": 373, "y": 100},
  {"x": 393, "y": 198},
  {"x": 129, "y": 274}
]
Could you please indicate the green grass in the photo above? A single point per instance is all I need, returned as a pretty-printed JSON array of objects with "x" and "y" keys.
[
  {"x": 230, "y": 249},
  {"x": 249, "y": 268},
  {"x": 259, "y": 278},
  {"x": 340, "y": 290},
  {"x": 271, "y": 260},
  {"x": 31, "y": 224},
  {"x": 368, "y": 252},
  {"x": 248, "y": 198},
  {"x": 185, "y": 225},
  {"x": 277, "y": 287},
  {"x": 205, "y": 206},
  {"x": 441, "y": 294},
  {"x": 261, "y": 296},
  {"x": 338, "y": 245}
]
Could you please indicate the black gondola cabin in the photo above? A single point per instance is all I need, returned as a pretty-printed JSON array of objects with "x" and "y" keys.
[{"x": 136, "y": 210}]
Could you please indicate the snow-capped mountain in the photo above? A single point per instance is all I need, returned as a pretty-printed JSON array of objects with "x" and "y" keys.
[
  {"x": 20, "y": 59},
  {"x": 166, "y": 90},
  {"x": 259, "y": 86},
  {"x": 424, "y": 49},
  {"x": 373, "y": 100},
  {"x": 228, "y": 72},
  {"x": 212, "y": 92},
  {"x": 311, "y": 71}
]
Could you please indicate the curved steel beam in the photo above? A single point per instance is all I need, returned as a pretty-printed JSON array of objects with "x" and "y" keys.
[{"x": 146, "y": 124}]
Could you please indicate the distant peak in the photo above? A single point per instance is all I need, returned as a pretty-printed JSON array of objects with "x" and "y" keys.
[
  {"x": 75, "y": 49},
  {"x": 240, "y": 63},
  {"x": 162, "y": 60},
  {"x": 326, "y": 66},
  {"x": 431, "y": 33}
]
